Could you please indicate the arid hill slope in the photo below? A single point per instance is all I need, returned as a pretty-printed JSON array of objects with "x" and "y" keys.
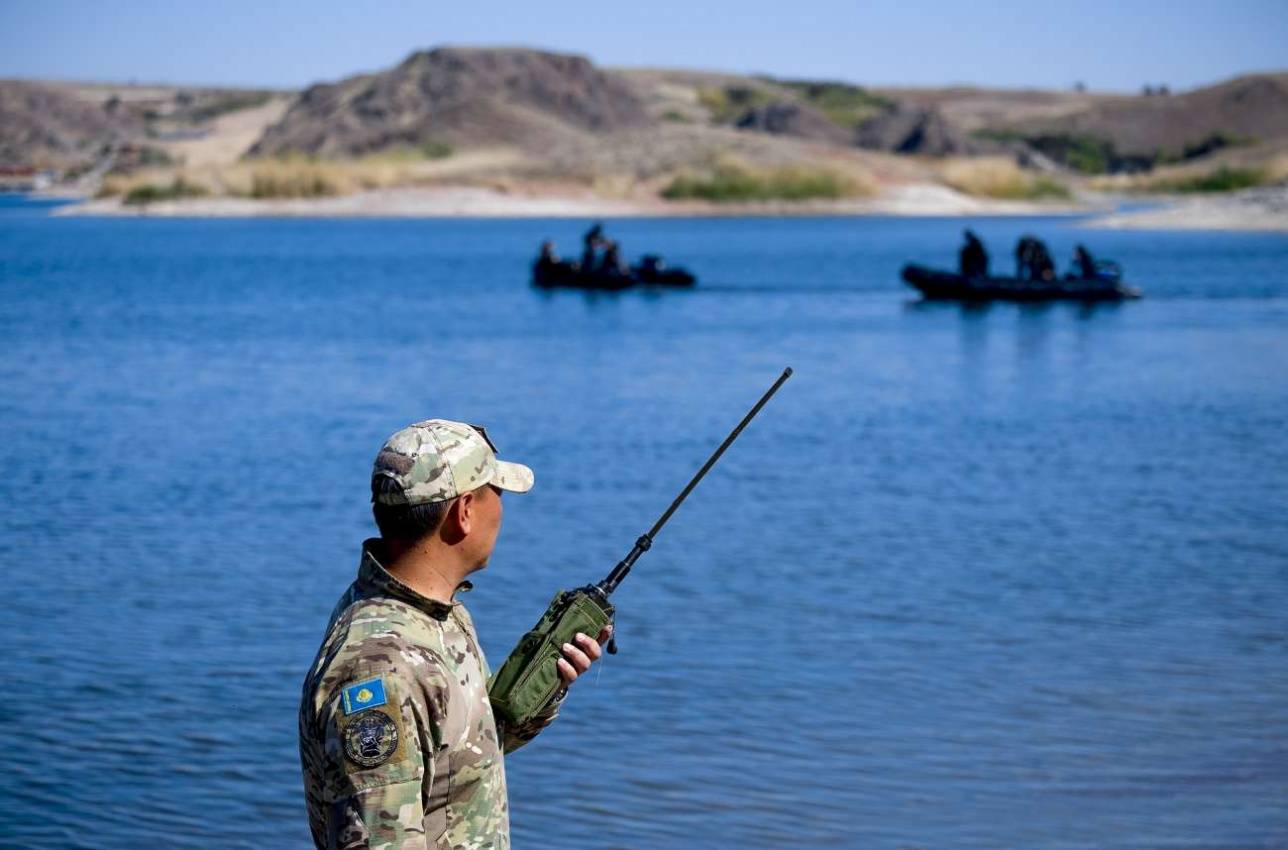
[
  {"x": 507, "y": 116},
  {"x": 1250, "y": 108},
  {"x": 1121, "y": 130},
  {"x": 464, "y": 97},
  {"x": 47, "y": 127}
]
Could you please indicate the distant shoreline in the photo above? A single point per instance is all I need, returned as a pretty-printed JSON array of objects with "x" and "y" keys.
[
  {"x": 1264, "y": 209},
  {"x": 913, "y": 200}
]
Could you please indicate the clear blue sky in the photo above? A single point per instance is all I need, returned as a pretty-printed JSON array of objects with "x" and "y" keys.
[{"x": 1108, "y": 44}]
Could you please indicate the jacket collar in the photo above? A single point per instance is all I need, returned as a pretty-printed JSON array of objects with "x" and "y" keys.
[{"x": 375, "y": 580}]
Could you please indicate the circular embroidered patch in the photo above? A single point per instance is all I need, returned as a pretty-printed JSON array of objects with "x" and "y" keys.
[{"x": 371, "y": 738}]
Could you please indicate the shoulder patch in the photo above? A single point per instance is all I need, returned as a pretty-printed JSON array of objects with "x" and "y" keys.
[
  {"x": 370, "y": 739},
  {"x": 364, "y": 695}
]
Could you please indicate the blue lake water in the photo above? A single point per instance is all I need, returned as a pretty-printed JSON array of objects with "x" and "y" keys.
[{"x": 979, "y": 578}]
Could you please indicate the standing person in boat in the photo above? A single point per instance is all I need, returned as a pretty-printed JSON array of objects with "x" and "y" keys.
[
  {"x": 1084, "y": 265},
  {"x": 593, "y": 239},
  {"x": 1023, "y": 257},
  {"x": 973, "y": 259}
]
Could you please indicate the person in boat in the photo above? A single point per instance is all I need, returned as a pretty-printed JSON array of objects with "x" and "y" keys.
[
  {"x": 547, "y": 257},
  {"x": 548, "y": 266},
  {"x": 593, "y": 239},
  {"x": 1043, "y": 265},
  {"x": 612, "y": 261},
  {"x": 1033, "y": 260},
  {"x": 1084, "y": 265},
  {"x": 973, "y": 258},
  {"x": 1023, "y": 254}
]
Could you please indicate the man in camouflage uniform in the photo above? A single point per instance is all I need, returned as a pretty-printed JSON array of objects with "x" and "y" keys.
[{"x": 397, "y": 738}]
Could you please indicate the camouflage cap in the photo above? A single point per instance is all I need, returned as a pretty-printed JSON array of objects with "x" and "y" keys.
[{"x": 437, "y": 460}]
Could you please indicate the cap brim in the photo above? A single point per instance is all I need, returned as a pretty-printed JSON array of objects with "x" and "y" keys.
[{"x": 514, "y": 477}]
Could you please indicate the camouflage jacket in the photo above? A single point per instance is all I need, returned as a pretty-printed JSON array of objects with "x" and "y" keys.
[{"x": 397, "y": 739}]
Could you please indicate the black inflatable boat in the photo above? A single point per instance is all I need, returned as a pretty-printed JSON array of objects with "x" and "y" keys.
[{"x": 935, "y": 284}]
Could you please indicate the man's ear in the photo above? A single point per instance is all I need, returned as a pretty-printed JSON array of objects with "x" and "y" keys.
[{"x": 464, "y": 511}]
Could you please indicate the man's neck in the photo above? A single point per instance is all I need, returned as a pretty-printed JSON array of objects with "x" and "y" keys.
[{"x": 424, "y": 567}]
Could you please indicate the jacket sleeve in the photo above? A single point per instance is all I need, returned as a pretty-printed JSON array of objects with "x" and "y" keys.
[
  {"x": 376, "y": 766},
  {"x": 513, "y": 737}
]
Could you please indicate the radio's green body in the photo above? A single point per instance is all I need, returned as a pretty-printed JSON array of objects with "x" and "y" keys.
[{"x": 529, "y": 678}]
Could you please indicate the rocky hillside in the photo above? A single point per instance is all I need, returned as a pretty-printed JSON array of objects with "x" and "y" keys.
[
  {"x": 72, "y": 127},
  {"x": 1087, "y": 133},
  {"x": 1090, "y": 133},
  {"x": 462, "y": 97},
  {"x": 44, "y": 126}
]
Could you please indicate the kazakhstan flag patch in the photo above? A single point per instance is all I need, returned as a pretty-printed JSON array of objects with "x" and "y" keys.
[{"x": 364, "y": 695}]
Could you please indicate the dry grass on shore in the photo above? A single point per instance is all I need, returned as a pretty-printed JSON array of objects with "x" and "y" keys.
[
  {"x": 308, "y": 177},
  {"x": 730, "y": 180},
  {"x": 999, "y": 177}
]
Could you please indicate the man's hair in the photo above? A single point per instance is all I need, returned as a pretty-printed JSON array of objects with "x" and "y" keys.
[{"x": 404, "y": 522}]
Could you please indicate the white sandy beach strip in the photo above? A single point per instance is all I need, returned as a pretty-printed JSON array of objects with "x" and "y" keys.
[{"x": 471, "y": 201}]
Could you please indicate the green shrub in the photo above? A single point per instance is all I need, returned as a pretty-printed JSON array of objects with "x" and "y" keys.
[
  {"x": 844, "y": 104},
  {"x": 1095, "y": 155},
  {"x": 998, "y": 134},
  {"x": 150, "y": 157},
  {"x": 715, "y": 102},
  {"x": 303, "y": 183},
  {"x": 435, "y": 149},
  {"x": 153, "y": 192},
  {"x": 289, "y": 156},
  {"x": 733, "y": 183},
  {"x": 1088, "y": 154},
  {"x": 1037, "y": 189},
  {"x": 730, "y": 103},
  {"x": 1194, "y": 150},
  {"x": 1222, "y": 180},
  {"x": 1044, "y": 187},
  {"x": 231, "y": 102},
  {"x": 1085, "y": 153}
]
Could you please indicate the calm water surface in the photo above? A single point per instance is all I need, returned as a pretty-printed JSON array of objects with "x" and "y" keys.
[{"x": 979, "y": 578}]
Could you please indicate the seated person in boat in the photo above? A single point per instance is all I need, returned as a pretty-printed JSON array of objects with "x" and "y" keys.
[
  {"x": 612, "y": 262},
  {"x": 1033, "y": 260},
  {"x": 548, "y": 257}
]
